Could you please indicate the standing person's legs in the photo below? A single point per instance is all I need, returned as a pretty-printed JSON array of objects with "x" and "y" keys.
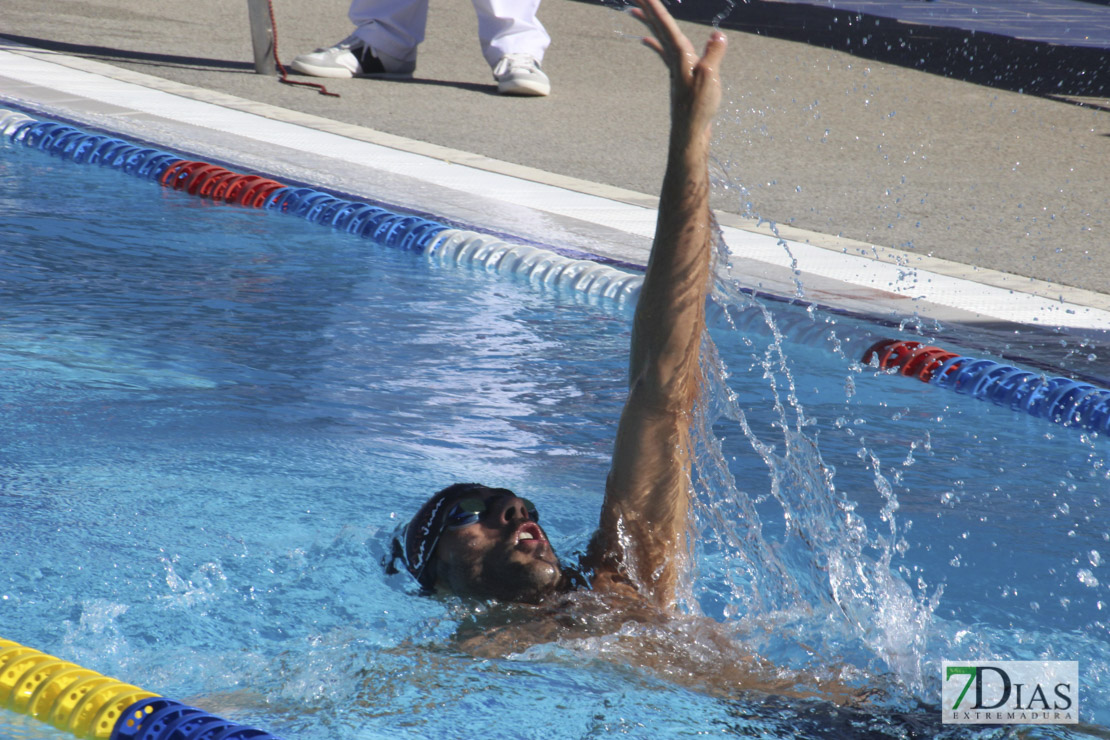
[
  {"x": 383, "y": 43},
  {"x": 513, "y": 42},
  {"x": 393, "y": 28},
  {"x": 510, "y": 27}
]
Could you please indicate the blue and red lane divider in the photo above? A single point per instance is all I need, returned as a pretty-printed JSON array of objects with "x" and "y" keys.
[
  {"x": 95, "y": 707},
  {"x": 1061, "y": 400},
  {"x": 213, "y": 182}
]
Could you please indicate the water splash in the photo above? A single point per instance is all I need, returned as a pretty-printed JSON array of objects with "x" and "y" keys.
[
  {"x": 823, "y": 570},
  {"x": 205, "y": 584}
]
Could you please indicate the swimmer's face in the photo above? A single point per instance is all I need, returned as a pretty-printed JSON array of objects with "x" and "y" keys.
[{"x": 501, "y": 553}]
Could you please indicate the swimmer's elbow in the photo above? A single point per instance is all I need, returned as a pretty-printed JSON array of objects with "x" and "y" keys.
[{"x": 664, "y": 388}]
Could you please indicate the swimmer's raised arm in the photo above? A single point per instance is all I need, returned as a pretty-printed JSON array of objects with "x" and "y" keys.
[{"x": 644, "y": 518}]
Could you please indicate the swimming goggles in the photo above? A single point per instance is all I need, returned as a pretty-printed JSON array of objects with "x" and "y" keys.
[{"x": 469, "y": 511}]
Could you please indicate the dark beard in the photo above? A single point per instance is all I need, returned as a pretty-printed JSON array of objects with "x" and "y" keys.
[{"x": 508, "y": 580}]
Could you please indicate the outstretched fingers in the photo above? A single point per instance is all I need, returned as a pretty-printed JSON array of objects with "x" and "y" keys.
[{"x": 666, "y": 39}]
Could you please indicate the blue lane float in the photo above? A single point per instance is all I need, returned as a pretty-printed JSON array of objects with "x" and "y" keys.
[
  {"x": 70, "y": 143},
  {"x": 158, "y": 718}
]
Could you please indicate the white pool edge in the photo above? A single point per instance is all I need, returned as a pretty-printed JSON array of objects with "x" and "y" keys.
[{"x": 602, "y": 220}]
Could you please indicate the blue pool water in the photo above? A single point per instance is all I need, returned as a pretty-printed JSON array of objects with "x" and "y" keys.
[{"x": 212, "y": 418}]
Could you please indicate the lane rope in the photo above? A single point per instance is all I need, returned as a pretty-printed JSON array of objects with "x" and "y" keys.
[
  {"x": 440, "y": 243},
  {"x": 90, "y": 705},
  {"x": 1061, "y": 400}
]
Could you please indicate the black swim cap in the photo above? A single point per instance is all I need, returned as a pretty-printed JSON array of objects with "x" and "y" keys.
[{"x": 416, "y": 542}]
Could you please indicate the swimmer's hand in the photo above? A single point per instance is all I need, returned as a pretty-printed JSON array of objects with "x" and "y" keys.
[{"x": 695, "y": 81}]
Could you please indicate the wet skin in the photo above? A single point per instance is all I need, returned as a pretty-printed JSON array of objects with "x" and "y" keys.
[{"x": 505, "y": 555}]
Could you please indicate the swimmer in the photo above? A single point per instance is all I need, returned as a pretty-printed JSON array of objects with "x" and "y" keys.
[{"x": 486, "y": 543}]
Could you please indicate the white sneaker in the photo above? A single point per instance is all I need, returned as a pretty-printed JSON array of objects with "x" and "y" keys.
[
  {"x": 351, "y": 57},
  {"x": 520, "y": 74}
]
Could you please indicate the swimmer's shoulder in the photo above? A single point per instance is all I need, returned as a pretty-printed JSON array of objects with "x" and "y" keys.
[{"x": 613, "y": 586}]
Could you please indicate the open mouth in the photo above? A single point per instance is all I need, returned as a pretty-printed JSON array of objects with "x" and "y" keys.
[{"x": 529, "y": 534}]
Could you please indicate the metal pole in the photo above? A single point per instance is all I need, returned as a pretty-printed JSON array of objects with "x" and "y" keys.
[{"x": 262, "y": 36}]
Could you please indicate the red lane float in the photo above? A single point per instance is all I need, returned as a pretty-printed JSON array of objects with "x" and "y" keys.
[
  {"x": 218, "y": 183},
  {"x": 913, "y": 359}
]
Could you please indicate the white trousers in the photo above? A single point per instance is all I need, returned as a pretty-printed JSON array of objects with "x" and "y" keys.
[{"x": 396, "y": 27}]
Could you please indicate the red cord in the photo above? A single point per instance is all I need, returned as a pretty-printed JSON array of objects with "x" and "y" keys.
[{"x": 284, "y": 79}]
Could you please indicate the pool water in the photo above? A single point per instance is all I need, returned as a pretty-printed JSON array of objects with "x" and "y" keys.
[{"x": 213, "y": 418}]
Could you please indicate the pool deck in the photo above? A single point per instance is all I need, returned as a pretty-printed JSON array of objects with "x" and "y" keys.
[{"x": 948, "y": 159}]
